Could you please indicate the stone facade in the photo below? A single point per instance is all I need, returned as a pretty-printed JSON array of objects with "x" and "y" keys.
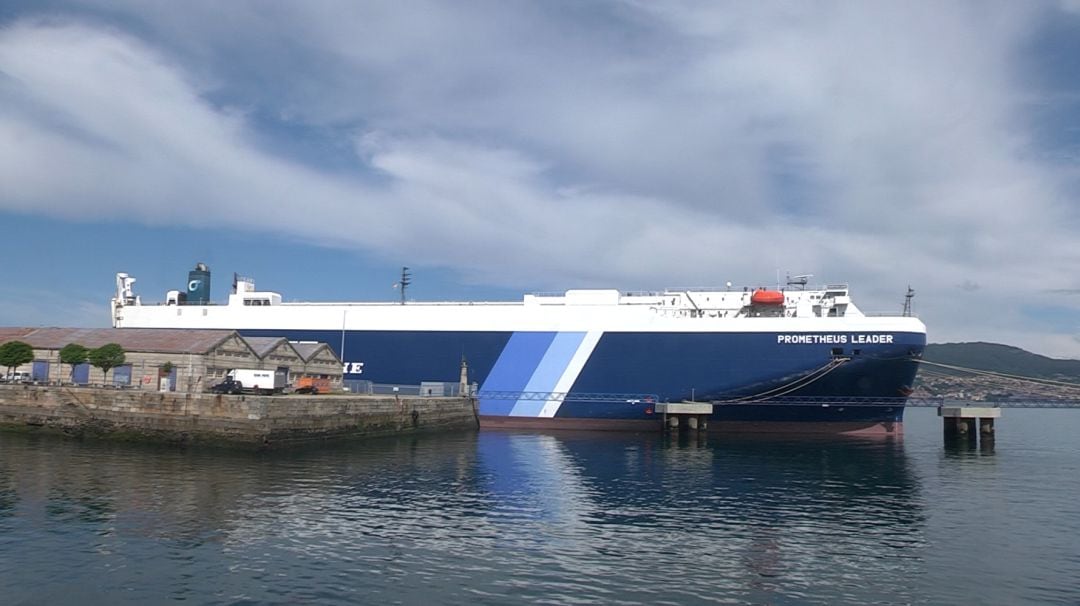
[
  {"x": 242, "y": 420},
  {"x": 199, "y": 358}
]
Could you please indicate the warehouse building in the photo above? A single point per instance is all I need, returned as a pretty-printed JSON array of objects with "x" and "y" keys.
[{"x": 171, "y": 359}]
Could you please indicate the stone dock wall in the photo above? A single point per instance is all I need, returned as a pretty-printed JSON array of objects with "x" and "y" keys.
[{"x": 238, "y": 420}]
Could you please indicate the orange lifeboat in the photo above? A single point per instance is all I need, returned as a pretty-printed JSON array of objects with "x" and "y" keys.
[{"x": 767, "y": 297}]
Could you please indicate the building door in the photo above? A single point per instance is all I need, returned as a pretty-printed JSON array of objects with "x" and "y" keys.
[
  {"x": 40, "y": 371},
  {"x": 172, "y": 379},
  {"x": 80, "y": 375}
]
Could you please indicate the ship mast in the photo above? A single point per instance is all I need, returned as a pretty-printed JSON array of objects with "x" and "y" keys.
[
  {"x": 907, "y": 301},
  {"x": 406, "y": 279}
]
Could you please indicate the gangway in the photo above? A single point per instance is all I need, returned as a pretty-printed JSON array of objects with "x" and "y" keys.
[{"x": 909, "y": 402}]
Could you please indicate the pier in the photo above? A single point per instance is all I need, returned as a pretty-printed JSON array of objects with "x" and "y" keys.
[{"x": 245, "y": 421}]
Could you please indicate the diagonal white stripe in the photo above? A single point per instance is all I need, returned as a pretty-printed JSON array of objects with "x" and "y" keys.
[{"x": 573, "y": 369}]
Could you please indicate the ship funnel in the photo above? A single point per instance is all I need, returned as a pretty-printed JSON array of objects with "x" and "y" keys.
[{"x": 198, "y": 286}]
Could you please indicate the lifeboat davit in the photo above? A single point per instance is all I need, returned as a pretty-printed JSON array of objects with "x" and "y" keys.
[{"x": 767, "y": 297}]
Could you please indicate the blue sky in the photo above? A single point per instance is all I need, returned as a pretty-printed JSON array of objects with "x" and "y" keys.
[{"x": 501, "y": 147}]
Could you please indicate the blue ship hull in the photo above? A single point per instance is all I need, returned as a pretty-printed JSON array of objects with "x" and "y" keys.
[{"x": 615, "y": 381}]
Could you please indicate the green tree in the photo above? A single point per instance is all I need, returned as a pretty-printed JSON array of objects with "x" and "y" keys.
[
  {"x": 73, "y": 354},
  {"x": 15, "y": 353},
  {"x": 166, "y": 369},
  {"x": 107, "y": 357}
]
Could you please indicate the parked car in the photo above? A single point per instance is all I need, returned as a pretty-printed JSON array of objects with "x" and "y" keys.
[{"x": 18, "y": 376}]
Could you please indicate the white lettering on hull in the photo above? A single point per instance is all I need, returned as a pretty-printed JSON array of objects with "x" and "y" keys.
[{"x": 835, "y": 339}]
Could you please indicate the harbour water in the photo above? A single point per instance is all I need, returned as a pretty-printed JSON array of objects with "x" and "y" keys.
[{"x": 558, "y": 518}]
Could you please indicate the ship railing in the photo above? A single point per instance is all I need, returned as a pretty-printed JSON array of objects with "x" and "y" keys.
[
  {"x": 910, "y": 402},
  {"x": 824, "y": 401},
  {"x": 740, "y": 289},
  {"x": 358, "y": 304},
  {"x": 887, "y": 314}
]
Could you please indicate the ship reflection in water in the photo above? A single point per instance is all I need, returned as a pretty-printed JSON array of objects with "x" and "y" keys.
[{"x": 686, "y": 519}]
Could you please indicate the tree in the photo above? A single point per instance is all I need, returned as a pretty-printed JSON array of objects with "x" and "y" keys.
[
  {"x": 166, "y": 369},
  {"x": 73, "y": 354},
  {"x": 107, "y": 357},
  {"x": 15, "y": 353}
]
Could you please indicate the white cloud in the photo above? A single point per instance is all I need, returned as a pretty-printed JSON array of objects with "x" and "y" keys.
[{"x": 628, "y": 144}]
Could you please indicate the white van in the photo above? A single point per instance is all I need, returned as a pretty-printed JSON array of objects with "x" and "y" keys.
[{"x": 19, "y": 376}]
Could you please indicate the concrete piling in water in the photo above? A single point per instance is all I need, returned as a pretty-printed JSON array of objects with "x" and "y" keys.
[
  {"x": 969, "y": 422},
  {"x": 695, "y": 413}
]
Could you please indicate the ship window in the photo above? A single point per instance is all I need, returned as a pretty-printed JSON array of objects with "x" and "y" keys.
[{"x": 838, "y": 351}]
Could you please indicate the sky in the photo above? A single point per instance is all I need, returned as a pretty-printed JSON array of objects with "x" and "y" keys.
[{"x": 503, "y": 147}]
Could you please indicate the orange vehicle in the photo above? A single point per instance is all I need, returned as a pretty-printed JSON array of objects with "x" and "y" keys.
[{"x": 311, "y": 385}]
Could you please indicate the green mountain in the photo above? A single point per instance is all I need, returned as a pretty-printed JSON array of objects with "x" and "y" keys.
[{"x": 1002, "y": 358}]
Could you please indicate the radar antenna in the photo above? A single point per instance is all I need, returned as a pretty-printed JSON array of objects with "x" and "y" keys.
[
  {"x": 799, "y": 281},
  {"x": 907, "y": 301}
]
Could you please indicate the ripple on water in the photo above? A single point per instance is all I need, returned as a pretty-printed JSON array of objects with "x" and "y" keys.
[{"x": 495, "y": 517}]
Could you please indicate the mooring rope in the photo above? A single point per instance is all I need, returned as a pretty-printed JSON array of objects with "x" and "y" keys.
[
  {"x": 799, "y": 383},
  {"x": 1001, "y": 375}
]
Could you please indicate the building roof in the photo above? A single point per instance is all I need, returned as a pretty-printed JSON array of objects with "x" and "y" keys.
[
  {"x": 157, "y": 340},
  {"x": 308, "y": 349},
  {"x": 13, "y": 334},
  {"x": 264, "y": 345}
]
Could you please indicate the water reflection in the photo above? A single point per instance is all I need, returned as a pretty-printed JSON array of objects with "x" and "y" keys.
[
  {"x": 483, "y": 518},
  {"x": 748, "y": 515}
]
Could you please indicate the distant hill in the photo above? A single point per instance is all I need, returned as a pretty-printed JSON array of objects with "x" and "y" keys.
[{"x": 1002, "y": 358}]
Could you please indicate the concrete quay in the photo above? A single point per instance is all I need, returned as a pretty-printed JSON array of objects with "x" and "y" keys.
[{"x": 203, "y": 418}]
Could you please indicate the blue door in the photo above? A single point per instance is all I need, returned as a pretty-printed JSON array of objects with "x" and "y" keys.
[
  {"x": 122, "y": 375},
  {"x": 81, "y": 374},
  {"x": 40, "y": 371},
  {"x": 172, "y": 379}
]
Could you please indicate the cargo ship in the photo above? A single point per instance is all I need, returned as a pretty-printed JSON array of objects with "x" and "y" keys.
[{"x": 794, "y": 358}]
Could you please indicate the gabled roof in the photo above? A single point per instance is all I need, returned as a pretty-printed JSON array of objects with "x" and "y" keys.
[
  {"x": 157, "y": 340},
  {"x": 262, "y": 346},
  {"x": 309, "y": 349}
]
